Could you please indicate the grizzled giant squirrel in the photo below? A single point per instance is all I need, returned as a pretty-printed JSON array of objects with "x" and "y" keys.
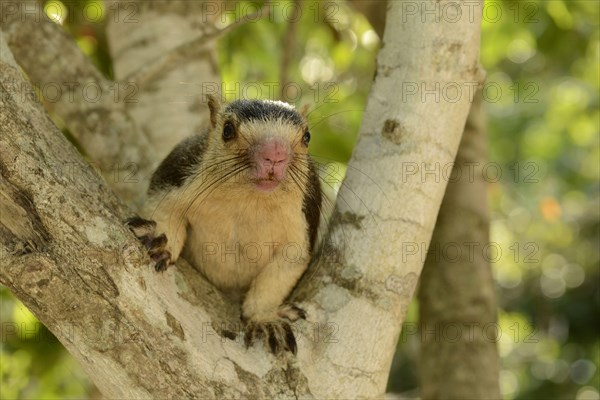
[{"x": 246, "y": 183}]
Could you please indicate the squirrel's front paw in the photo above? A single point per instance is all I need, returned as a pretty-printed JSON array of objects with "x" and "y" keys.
[
  {"x": 145, "y": 231},
  {"x": 277, "y": 335}
]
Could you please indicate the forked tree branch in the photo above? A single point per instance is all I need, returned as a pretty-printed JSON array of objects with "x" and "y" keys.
[{"x": 140, "y": 334}]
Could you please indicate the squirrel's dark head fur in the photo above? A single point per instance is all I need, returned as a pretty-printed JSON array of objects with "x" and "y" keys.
[
  {"x": 248, "y": 110},
  {"x": 268, "y": 139}
]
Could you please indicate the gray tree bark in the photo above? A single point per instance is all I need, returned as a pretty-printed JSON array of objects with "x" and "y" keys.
[
  {"x": 126, "y": 126},
  {"x": 457, "y": 300},
  {"x": 457, "y": 297},
  {"x": 66, "y": 254},
  {"x": 167, "y": 48},
  {"x": 466, "y": 367}
]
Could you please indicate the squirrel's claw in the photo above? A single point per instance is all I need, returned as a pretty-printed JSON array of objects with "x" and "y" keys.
[
  {"x": 145, "y": 231},
  {"x": 277, "y": 335}
]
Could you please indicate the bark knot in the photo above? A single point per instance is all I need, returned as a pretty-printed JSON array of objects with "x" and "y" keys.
[
  {"x": 393, "y": 131},
  {"x": 348, "y": 218},
  {"x": 402, "y": 285},
  {"x": 175, "y": 326},
  {"x": 21, "y": 227}
]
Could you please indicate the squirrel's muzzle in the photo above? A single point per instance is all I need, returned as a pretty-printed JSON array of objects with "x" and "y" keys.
[{"x": 271, "y": 158}]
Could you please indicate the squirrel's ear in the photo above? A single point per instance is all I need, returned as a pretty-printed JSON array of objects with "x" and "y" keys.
[
  {"x": 304, "y": 110},
  {"x": 214, "y": 105}
]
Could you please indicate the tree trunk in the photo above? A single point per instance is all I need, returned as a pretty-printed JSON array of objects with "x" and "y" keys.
[
  {"x": 167, "y": 49},
  {"x": 68, "y": 257},
  {"x": 457, "y": 304},
  {"x": 470, "y": 374}
]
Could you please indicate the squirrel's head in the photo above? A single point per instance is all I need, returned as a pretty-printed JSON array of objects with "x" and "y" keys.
[{"x": 261, "y": 143}]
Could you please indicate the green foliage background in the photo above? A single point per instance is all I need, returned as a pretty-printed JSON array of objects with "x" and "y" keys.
[{"x": 542, "y": 59}]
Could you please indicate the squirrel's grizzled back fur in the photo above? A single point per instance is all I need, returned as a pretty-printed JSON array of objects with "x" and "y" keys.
[{"x": 179, "y": 164}]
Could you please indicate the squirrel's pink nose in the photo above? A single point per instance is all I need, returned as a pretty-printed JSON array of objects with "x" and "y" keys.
[
  {"x": 273, "y": 152},
  {"x": 272, "y": 159}
]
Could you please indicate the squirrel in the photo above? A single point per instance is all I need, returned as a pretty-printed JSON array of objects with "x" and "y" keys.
[{"x": 242, "y": 204}]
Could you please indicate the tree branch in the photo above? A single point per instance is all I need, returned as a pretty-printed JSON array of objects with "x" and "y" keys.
[
  {"x": 142, "y": 334},
  {"x": 366, "y": 283},
  {"x": 93, "y": 108},
  {"x": 457, "y": 295},
  {"x": 171, "y": 99},
  {"x": 288, "y": 51},
  {"x": 189, "y": 49},
  {"x": 374, "y": 11},
  {"x": 67, "y": 255}
]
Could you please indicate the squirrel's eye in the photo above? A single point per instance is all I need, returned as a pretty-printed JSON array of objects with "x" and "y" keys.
[
  {"x": 228, "y": 131},
  {"x": 306, "y": 138}
]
